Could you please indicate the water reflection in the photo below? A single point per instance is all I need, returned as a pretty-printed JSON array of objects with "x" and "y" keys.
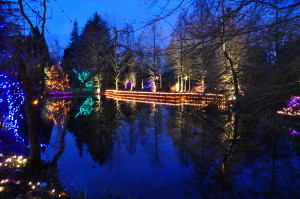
[
  {"x": 151, "y": 150},
  {"x": 86, "y": 108},
  {"x": 56, "y": 111},
  {"x": 94, "y": 131}
]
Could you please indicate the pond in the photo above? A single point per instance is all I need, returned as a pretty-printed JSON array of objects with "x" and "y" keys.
[{"x": 126, "y": 149}]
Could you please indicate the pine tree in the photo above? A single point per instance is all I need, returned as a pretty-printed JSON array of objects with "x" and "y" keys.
[
  {"x": 7, "y": 29},
  {"x": 70, "y": 52},
  {"x": 94, "y": 45}
]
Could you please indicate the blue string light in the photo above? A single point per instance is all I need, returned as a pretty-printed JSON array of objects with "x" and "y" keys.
[
  {"x": 128, "y": 84},
  {"x": 294, "y": 101},
  {"x": 148, "y": 87},
  {"x": 11, "y": 100},
  {"x": 2, "y": 26},
  {"x": 294, "y": 132}
]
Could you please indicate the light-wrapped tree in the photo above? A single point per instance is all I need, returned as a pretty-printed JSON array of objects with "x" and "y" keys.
[{"x": 56, "y": 79}]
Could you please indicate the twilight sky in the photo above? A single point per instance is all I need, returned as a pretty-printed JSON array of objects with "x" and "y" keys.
[{"x": 115, "y": 11}]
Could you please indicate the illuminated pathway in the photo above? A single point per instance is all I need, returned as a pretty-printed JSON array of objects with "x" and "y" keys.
[{"x": 171, "y": 99}]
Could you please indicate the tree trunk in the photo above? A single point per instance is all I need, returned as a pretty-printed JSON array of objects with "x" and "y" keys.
[
  {"x": 178, "y": 84},
  {"x": 181, "y": 83},
  {"x": 189, "y": 83},
  {"x": 33, "y": 133},
  {"x": 160, "y": 83},
  {"x": 117, "y": 81}
]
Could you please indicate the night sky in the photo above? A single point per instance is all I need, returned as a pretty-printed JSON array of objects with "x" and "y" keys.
[{"x": 119, "y": 12}]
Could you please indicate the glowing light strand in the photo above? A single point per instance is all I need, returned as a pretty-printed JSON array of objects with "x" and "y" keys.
[
  {"x": 57, "y": 112},
  {"x": 165, "y": 98},
  {"x": 83, "y": 76},
  {"x": 294, "y": 132},
  {"x": 57, "y": 79},
  {"x": 128, "y": 84},
  {"x": 86, "y": 108},
  {"x": 293, "y": 109},
  {"x": 11, "y": 97},
  {"x": 60, "y": 93},
  {"x": 149, "y": 86}
]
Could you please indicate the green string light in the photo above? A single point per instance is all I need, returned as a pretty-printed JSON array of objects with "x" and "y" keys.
[
  {"x": 83, "y": 76},
  {"x": 86, "y": 108}
]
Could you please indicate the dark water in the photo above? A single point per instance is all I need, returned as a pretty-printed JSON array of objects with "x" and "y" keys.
[{"x": 155, "y": 151}]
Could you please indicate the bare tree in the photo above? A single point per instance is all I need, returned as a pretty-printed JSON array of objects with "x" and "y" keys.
[{"x": 31, "y": 100}]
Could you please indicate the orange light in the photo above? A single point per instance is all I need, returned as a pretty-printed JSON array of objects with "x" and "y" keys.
[
  {"x": 35, "y": 102},
  {"x": 165, "y": 98}
]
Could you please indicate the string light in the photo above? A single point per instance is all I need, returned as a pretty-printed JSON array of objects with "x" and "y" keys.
[
  {"x": 294, "y": 132},
  {"x": 35, "y": 102},
  {"x": 2, "y": 26},
  {"x": 294, "y": 101},
  {"x": 14, "y": 162},
  {"x": 170, "y": 98},
  {"x": 58, "y": 111},
  {"x": 56, "y": 79},
  {"x": 12, "y": 97},
  {"x": 83, "y": 76},
  {"x": 86, "y": 108},
  {"x": 60, "y": 93},
  {"x": 293, "y": 109},
  {"x": 128, "y": 84},
  {"x": 201, "y": 105},
  {"x": 175, "y": 87},
  {"x": 149, "y": 86},
  {"x": 61, "y": 97}
]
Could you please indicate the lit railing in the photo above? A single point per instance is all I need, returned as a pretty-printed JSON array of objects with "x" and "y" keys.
[{"x": 170, "y": 99}]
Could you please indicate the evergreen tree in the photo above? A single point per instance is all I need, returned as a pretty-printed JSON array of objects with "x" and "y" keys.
[
  {"x": 93, "y": 48},
  {"x": 56, "y": 79},
  {"x": 69, "y": 61},
  {"x": 8, "y": 30}
]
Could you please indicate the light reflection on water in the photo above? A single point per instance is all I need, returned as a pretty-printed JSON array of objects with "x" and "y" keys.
[{"x": 155, "y": 151}]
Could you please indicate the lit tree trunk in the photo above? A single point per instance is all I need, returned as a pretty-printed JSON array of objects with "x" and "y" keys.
[
  {"x": 181, "y": 83},
  {"x": 99, "y": 84},
  {"x": 142, "y": 83},
  {"x": 178, "y": 84},
  {"x": 160, "y": 84},
  {"x": 117, "y": 81},
  {"x": 181, "y": 58},
  {"x": 189, "y": 83},
  {"x": 154, "y": 57},
  {"x": 185, "y": 82},
  {"x": 202, "y": 81},
  {"x": 154, "y": 86},
  {"x": 229, "y": 60}
]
